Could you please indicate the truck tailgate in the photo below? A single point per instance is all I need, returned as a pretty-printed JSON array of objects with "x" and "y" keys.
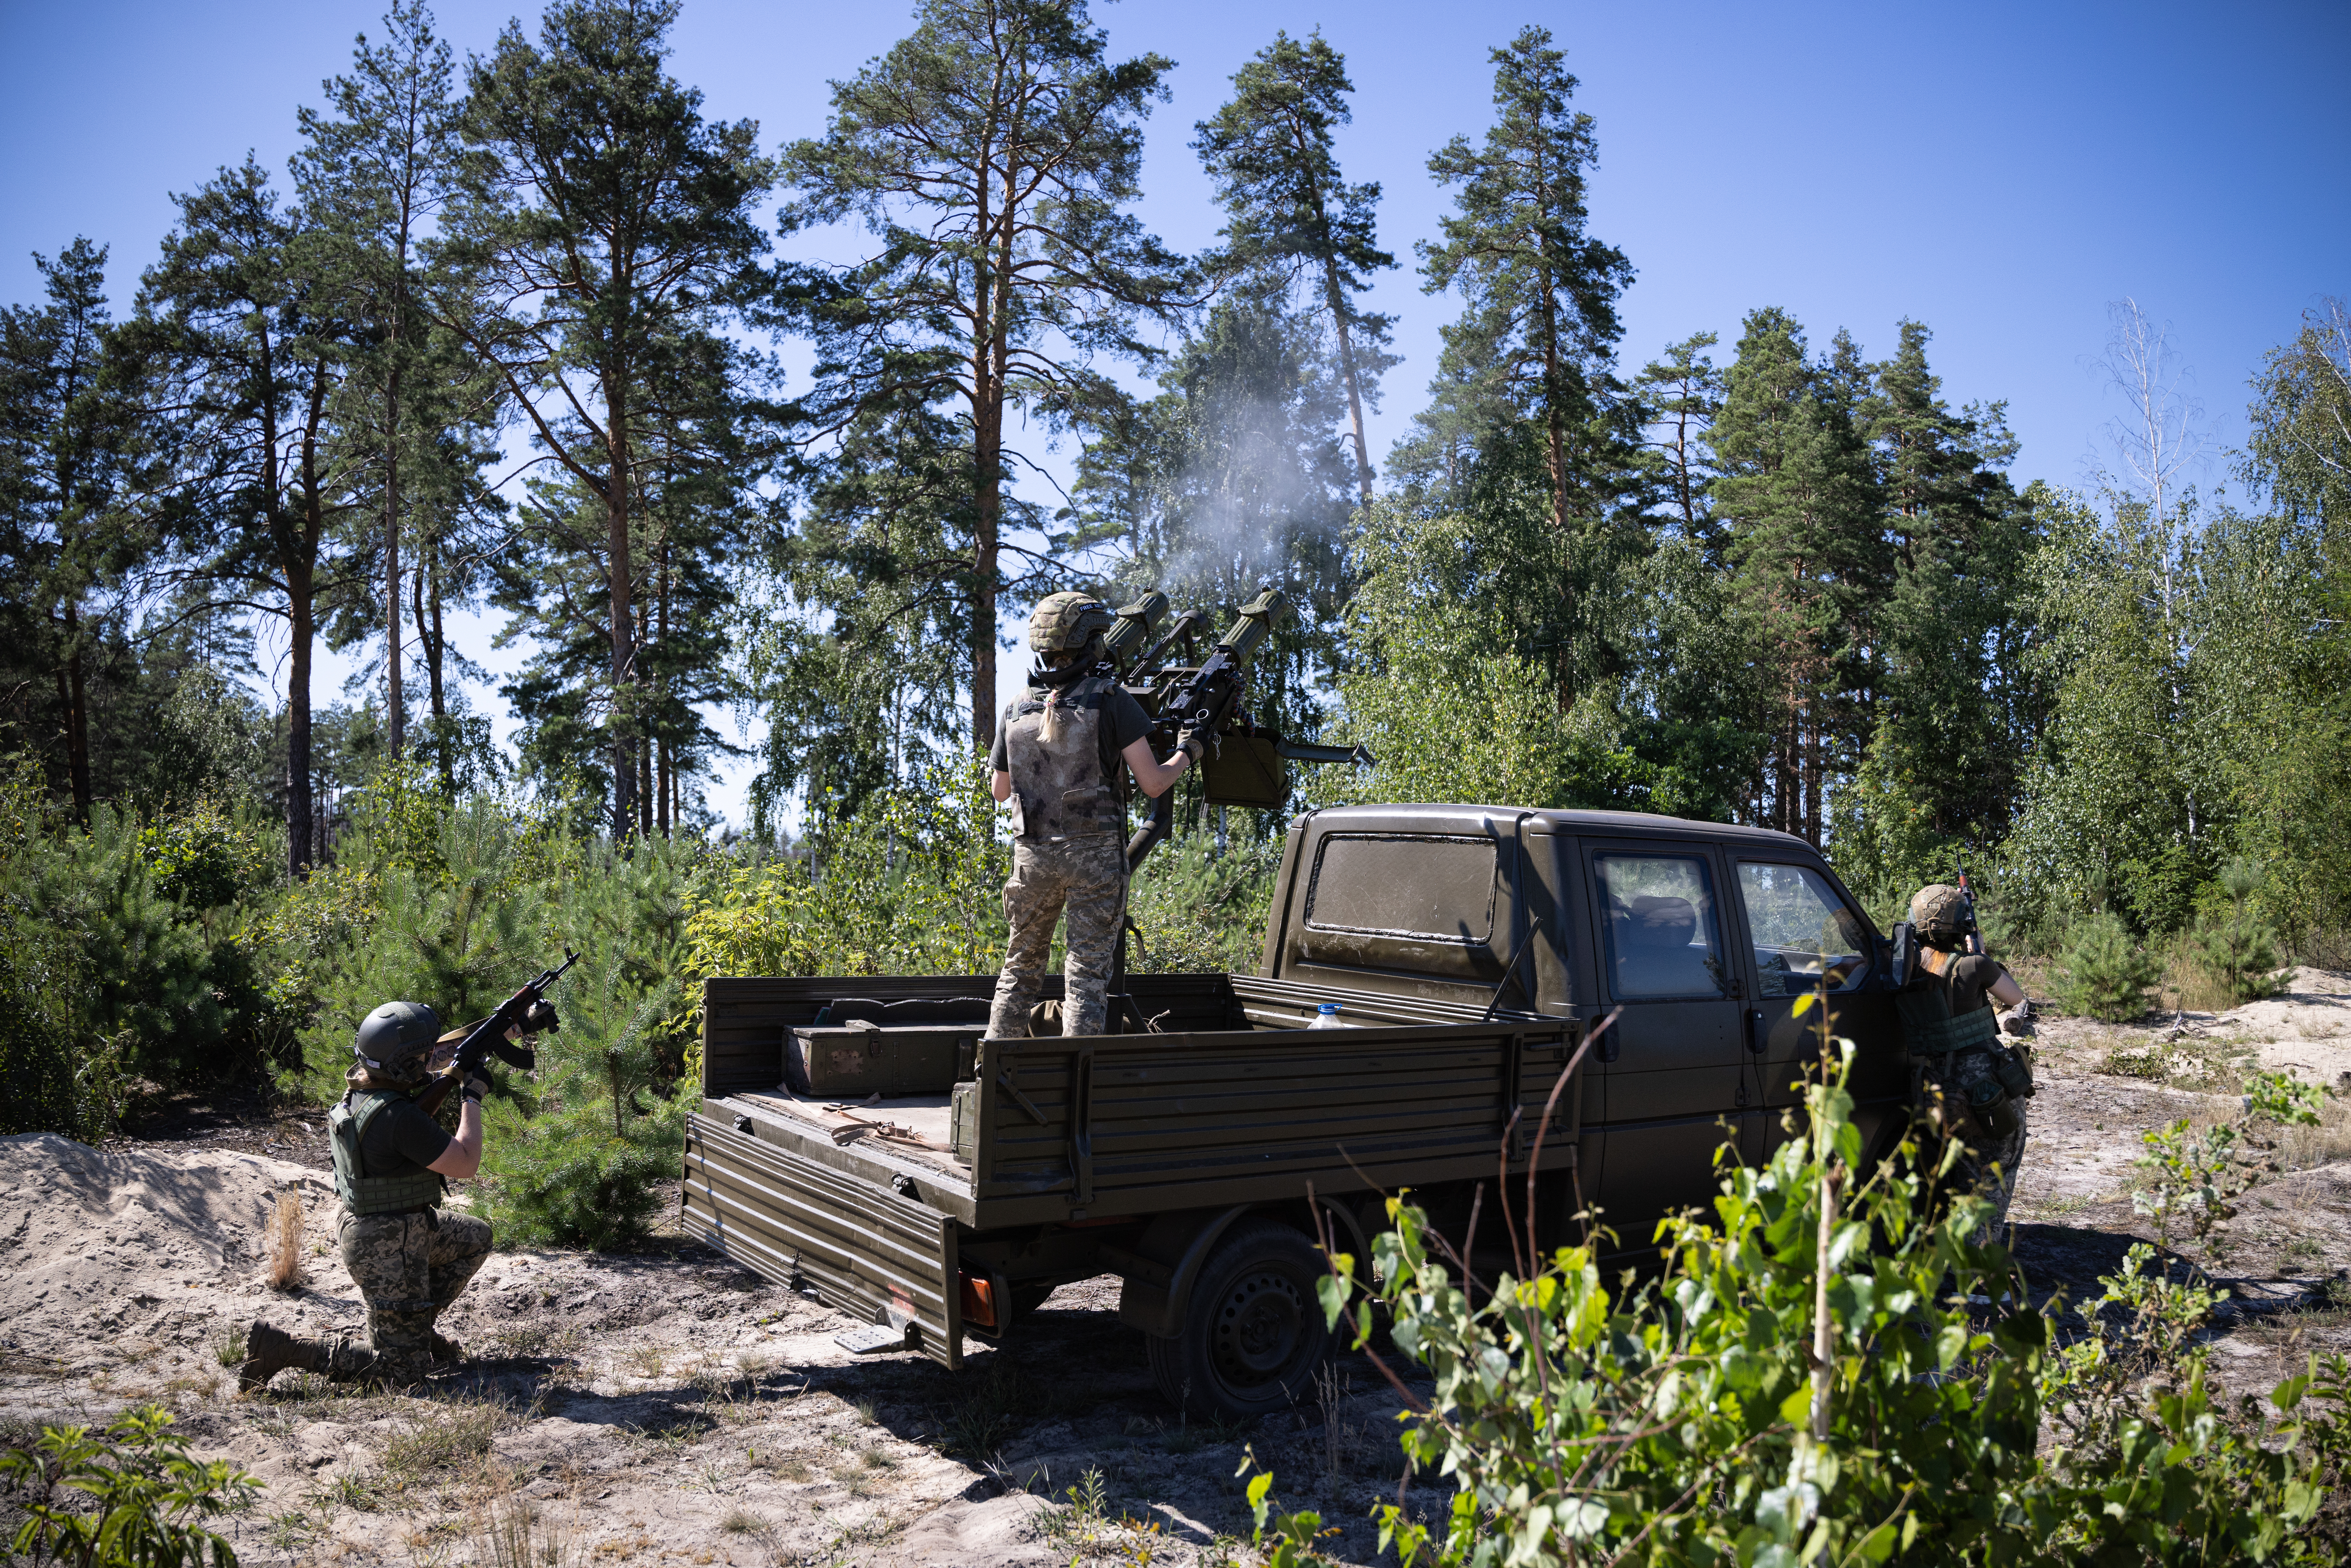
[{"x": 882, "y": 1259}]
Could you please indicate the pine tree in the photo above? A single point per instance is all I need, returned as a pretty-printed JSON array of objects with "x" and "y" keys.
[
  {"x": 1292, "y": 216},
  {"x": 69, "y": 426},
  {"x": 1799, "y": 498},
  {"x": 1681, "y": 393},
  {"x": 373, "y": 174},
  {"x": 250, "y": 353},
  {"x": 992, "y": 153},
  {"x": 604, "y": 229},
  {"x": 1538, "y": 328},
  {"x": 1946, "y": 721}
]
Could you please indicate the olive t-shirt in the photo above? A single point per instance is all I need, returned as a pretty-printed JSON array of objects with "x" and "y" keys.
[
  {"x": 401, "y": 1141},
  {"x": 1121, "y": 716},
  {"x": 1971, "y": 978}
]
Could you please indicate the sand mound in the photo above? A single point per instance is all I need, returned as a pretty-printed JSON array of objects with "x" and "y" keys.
[{"x": 89, "y": 1240}]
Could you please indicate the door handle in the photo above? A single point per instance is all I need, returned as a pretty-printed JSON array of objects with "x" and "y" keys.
[{"x": 1756, "y": 1039}]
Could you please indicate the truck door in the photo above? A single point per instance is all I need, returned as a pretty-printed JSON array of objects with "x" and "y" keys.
[
  {"x": 1798, "y": 929},
  {"x": 1675, "y": 1074}
]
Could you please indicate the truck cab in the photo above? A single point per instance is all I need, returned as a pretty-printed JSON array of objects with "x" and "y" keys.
[{"x": 1695, "y": 938}]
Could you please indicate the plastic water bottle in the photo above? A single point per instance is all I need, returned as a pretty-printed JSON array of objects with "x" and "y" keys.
[{"x": 1327, "y": 1017}]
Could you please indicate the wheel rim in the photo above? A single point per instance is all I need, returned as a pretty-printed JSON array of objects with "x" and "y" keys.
[{"x": 1260, "y": 1331}]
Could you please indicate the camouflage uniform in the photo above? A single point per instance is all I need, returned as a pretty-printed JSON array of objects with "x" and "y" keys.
[
  {"x": 1069, "y": 817},
  {"x": 408, "y": 1267},
  {"x": 1087, "y": 876},
  {"x": 1973, "y": 1084}
]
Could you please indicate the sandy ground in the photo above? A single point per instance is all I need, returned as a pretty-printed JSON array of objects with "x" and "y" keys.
[{"x": 665, "y": 1408}]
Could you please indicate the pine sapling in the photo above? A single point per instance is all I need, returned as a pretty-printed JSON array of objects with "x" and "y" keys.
[{"x": 2106, "y": 974}]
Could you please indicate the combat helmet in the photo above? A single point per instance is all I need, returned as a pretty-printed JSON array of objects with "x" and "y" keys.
[
  {"x": 394, "y": 1041},
  {"x": 1944, "y": 915},
  {"x": 1065, "y": 622}
]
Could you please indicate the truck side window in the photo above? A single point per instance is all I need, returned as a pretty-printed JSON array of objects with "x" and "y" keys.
[
  {"x": 1663, "y": 936},
  {"x": 1395, "y": 887},
  {"x": 1801, "y": 931}
]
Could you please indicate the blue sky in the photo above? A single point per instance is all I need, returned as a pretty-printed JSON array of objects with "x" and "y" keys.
[{"x": 1998, "y": 172}]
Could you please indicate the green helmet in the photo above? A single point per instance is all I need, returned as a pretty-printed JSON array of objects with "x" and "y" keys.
[
  {"x": 396, "y": 1037},
  {"x": 1943, "y": 914},
  {"x": 1065, "y": 622}
]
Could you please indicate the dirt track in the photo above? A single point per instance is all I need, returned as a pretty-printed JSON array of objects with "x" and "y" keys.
[{"x": 664, "y": 1407}]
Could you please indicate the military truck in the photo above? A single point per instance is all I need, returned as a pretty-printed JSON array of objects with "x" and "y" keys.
[{"x": 858, "y": 1139}]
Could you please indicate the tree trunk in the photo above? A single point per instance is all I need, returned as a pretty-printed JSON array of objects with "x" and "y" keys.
[
  {"x": 395, "y": 715},
  {"x": 987, "y": 449},
  {"x": 75, "y": 691},
  {"x": 428, "y": 632},
  {"x": 299, "y": 631},
  {"x": 616, "y": 516},
  {"x": 661, "y": 780},
  {"x": 1338, "y": 302}
]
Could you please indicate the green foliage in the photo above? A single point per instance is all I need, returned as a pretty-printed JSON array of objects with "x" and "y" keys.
[
  {"x": 2105, "y": 972},
  {"x": 2235, "y": 946},
  {"x": 40, "y": 969},
  {"x": 911, "y": 884},
  {"x": 573, "y": 1158},
  {"x": 127, "y": 1498},
  {"x": 2197, "y": 1177},
  {"x": 1451, "y": 713},
  {"x": 1201, "y": 911},
  {"x": 1831, "y": 1368},
  {"x": 451, "y": 906}
]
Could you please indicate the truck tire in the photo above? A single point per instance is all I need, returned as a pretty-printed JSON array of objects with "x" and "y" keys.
[{"x": 1253, "y": 1334}]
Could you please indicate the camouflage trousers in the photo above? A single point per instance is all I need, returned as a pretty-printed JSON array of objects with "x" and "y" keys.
[
  {"x": 407, "y": 1267},
  {"x": 1088, "y": 877},
  {"x": 1990, "y": 1125}
]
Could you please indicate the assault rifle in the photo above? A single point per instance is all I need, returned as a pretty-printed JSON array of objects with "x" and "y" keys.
[
  {"x": 1975, "y": 933},
  {"x": 528, "y": 1011}
]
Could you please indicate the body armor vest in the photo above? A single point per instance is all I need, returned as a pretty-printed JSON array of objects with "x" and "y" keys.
[
  {"x": 1067, "y": 786},
  {"x": 347, "y": 1125},
  {"x": 1978, "y": 1031}
]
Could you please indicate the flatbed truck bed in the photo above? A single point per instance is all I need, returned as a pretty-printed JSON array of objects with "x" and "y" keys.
[{"x": 1133, "y": 1153}]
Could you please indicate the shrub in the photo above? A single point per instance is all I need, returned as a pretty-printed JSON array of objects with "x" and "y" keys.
[
  {"x": 128, "y": 1496},
  {"x": 1201, "y": 912},
  {"x": 911, "y": 884},
  {"x": 2236, "y": 947},
  {"x": 2104, "y": 973},
  {"x": 1831, "y": 1370}
]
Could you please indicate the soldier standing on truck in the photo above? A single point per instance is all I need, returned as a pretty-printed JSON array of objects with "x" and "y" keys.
[
  {"x": 409, "y": 1258},
  {"x": 1979, "y": 1082},
  {"x": 1057, "y": 758}
]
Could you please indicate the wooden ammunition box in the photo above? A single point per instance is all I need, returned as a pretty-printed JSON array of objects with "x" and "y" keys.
[{"x": 860, "y": 1058}]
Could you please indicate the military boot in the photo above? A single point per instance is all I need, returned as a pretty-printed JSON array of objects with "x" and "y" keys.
[
  {"x": 269, "y": 1351},
  {"x": 447, "y": 1352}
]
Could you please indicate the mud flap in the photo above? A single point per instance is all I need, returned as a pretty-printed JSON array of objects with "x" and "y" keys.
[{"x": 886, "y": 1260}]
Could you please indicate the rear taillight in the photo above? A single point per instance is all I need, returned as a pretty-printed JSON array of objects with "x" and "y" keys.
[{"x": 978, "y": 1301}]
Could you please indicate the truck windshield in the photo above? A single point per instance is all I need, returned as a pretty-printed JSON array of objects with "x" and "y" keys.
[
  {"x": 1662, "y": 933},
  {"x": 1801, "y": 931}
]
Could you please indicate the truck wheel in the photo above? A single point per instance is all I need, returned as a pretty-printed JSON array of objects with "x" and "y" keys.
[
  {"x": 1254, "y": 1334},
  {"x": 1028, "y": 1296}
]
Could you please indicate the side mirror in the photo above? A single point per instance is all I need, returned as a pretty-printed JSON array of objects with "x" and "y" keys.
[{"x": 1902, "y": 958}]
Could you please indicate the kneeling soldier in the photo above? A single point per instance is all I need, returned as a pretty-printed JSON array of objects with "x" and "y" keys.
[{"x": 409, "y": 1257}]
